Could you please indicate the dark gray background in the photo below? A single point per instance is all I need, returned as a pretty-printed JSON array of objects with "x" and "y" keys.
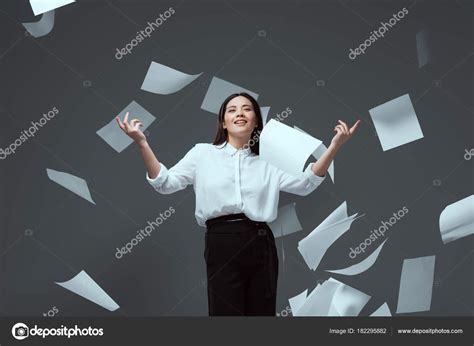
[{"x": 305, "y": 41}]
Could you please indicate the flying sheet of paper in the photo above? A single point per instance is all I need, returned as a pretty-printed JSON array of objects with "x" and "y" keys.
[
  {"x": 319, "y": 152},
  {"x": 285, "y": 147},
  {"x": 42, "y": 6},
  {"x": 114, "y": 136},
  {"x": 264, "y": 111},
  {"x": 286, "y": 222},
  {"x": 347, "y": 301},
  {"x": 82, "y": 284},
  {"x": 297, "y": 301},
  {"x": 164, "y": 80},
  {"x": 416, "y": 284},
  {"x": 314, "y": 246},
  {"x": 382, "y": 311},
  {"x": 218, "y": 91},
  {"x": 318, "y": 302},
  {"x": 423, "y": 48},
  {"x": 396, "y": 122},
  {"x": 41, "y": 27},
  {"x": 71, "y": 183},
  {"x": 457, "y": 220},
  {"x": 361, "y": 266},
  {"x": 331, "y": 298}
]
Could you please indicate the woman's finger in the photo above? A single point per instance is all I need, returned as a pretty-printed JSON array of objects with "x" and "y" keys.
[
  {"x": 354, "y": 128},
  {"x": 125, "y": 120},
  {"x": 344, "y": 125},
  {"x": 132, "y": 122},
  {"x": 341, "y": 128},
  {"x": 127, "y": 127},
  {"x": 119, "y": 122},
  {"x": 137, "y": 125}
]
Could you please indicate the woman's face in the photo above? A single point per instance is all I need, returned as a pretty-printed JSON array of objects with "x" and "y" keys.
[{"x": 239, "y": 117}]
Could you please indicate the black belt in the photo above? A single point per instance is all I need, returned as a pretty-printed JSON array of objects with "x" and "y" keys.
[
  {"x": 232, "y": 218},
  {"x": 226, "y": 218},
  {"x": 263, "y": 231}
]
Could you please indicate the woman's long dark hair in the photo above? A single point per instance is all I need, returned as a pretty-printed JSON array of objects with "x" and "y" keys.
[{"x": 222, "y": 135}]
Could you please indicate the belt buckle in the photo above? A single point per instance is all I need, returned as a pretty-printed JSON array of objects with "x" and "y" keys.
[{"x": 232, "y": 220}]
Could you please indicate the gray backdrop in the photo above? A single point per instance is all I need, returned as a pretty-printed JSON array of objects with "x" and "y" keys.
[{"x": 283, "y": 50}]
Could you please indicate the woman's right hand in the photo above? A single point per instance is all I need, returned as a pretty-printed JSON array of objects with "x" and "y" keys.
[{"x": 132, "y": 129}]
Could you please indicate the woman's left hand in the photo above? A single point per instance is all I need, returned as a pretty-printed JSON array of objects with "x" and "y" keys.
[{"x": 343, "y": 133}]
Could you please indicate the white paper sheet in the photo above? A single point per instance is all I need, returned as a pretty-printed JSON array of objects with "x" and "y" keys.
[
  {"x": 416, "y": 284},
  {"x": 114, "y": 136},
  {"x": 286, "y": 222},
  {"x": 319, "y": 152},
  {"x": 164, "y": 80},
  {"x": 318, "y": 303},
  {"x": 314, "y": 246},
  {"x": 361, "y": 266},
  {"x": 331, "y": 298},
  {"x": 396, "y": 122},
  {"x": 218, "y": 91},
  {"x": 297, "y": 302},
  {"x": 41, "y": 27},
  {"x": 285, "y": 147},
  {"x": 347, "y": 301},
  {"x": 71, "y": 183},
  {"x": 264, "y": 111},
  {"x": 42, "y": 6},
  {"x": 382, "y": 311},
  {"x": 457, "y": 220},
  {"x": 82, "y": 284}
]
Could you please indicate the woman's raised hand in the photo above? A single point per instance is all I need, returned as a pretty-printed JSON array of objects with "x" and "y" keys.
[
  {"x": 343, "y": 133},
  {"x": 132, "y": 129}
]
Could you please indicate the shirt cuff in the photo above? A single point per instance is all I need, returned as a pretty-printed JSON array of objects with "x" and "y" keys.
[
  {"x": 162, "y": 175},
  {"x": 315, "y": 179}
]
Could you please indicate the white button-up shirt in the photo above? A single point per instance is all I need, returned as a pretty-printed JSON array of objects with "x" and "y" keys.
[{"x": 227, "y": 180}]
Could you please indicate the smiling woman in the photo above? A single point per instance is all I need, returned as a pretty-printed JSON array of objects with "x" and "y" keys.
[
  {"x": 237, "y": 193},
  {"x": 240, "y": 115}
]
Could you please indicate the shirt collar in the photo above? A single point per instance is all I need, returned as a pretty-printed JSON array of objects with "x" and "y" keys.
[{"x": 231, "y": 150}]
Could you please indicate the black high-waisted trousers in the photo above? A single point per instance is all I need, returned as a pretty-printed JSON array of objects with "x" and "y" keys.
[{"x": 242, "y": 267}]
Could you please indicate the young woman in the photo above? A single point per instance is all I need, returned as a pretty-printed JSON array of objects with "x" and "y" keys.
[{"x": 236, "y": 195}]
